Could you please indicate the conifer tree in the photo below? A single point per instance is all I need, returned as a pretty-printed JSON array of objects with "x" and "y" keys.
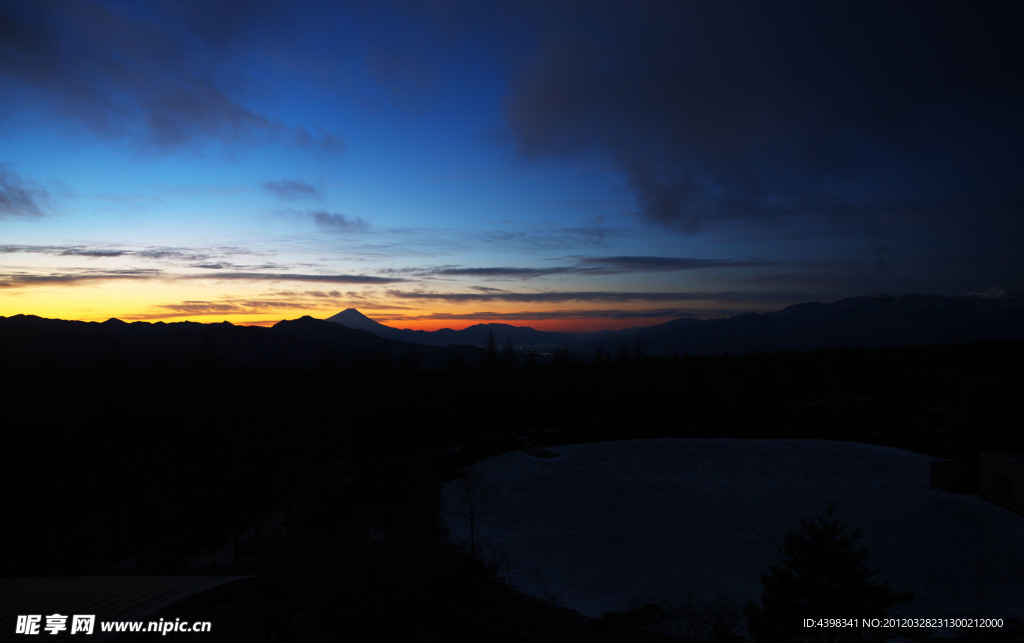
[{"x": 822, "y": 575}]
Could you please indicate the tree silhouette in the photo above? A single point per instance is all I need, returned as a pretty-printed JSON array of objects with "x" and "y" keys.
[
  {"x": 475, "y": 498},
  {"x": 509, "y": 356},
  {"x": 491, "y": 356},
  {"x": 822, "y": 575}
]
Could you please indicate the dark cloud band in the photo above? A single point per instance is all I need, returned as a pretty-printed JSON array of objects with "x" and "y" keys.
[
  {"x": 563, "y": 296},
  {"x": 270, "y": 276},
  {"x": 739, "y": 110}
]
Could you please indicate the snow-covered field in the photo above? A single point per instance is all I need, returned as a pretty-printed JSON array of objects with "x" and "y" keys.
[{"x": 608, "y": 524}]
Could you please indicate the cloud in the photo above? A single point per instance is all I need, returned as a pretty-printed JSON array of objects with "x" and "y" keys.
[
  {"x": 78, "y": 252},
  {"x": 268, "y": 304},
  {"x": 66, "y": 251},
  {"x": 272, "y": 276},
  {"x": 158, "y": 253},
  {"x": 564, "y": 296},
  {"x": 730, "y": 110},
  {"x": 236, "y": 307},
  {"x": 338, "y": 222},
  {"x": 587, "y": 265},
  {"x": 496, "y": 272},
  {"x": 20, "y": 197},
  {"x": 557, "y": 237},
  {"x": 291, "y": 190},
  {"x": 70, "y": 277},
  {"x": 611, "y": 265},
  {"x": 21, "y": 279},
  {"x": 160, "y": 76}
]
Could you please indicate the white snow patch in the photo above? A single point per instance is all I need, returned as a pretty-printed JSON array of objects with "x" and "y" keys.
[{"x": 610, "y": 522}]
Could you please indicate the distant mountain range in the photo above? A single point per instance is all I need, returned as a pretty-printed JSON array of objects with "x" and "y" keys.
[
  {"x": 352, "y": 339},
  {"x": 522, "y": 337},
  {"x": 871, "y": 321},
  {"x": 36, "y": 343}
]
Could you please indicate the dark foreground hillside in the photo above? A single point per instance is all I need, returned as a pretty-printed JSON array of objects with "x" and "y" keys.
[{"x": 327, "y": 472}]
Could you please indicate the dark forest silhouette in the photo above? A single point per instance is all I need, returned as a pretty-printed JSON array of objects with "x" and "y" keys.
[{"x": 151, "y": 448}]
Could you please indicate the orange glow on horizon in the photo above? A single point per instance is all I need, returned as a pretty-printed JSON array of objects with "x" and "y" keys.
[
  {"x": 170, "y": 302},
  {"x": 570, "y": 325}
]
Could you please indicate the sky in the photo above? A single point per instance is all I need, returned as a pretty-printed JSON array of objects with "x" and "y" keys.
[{"x": 561, "y": 165}]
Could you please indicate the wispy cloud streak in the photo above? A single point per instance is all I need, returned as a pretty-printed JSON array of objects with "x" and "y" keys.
[
  {"x": 273, "y": 276},
  {"x": 567, "y": 296},
  {"x": 158, "y": 253},
  {"x": 658, "y": 264},
  {"x": 338, "y": 222},
  {"x": 22, "y": 280},
  {"x": 589, "y": 266},
  {"x": 291, "y": 190},
  {"x": 20, "y": 197}
]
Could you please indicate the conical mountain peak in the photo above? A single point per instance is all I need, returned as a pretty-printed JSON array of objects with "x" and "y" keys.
[{"x": 354, "y": 319}]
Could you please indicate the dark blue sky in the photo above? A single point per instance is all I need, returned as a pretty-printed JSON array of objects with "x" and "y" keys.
[{"x": 574, "y": 165}]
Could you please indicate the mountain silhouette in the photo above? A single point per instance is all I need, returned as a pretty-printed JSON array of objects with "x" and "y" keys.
[
  {"x": 352, "y": 339},
  {"x": 28, "y": 341},
  {"x": 352, "y": 318},
  {"x": 522, "y": 337},
  {"x": 872, "y": 321}
]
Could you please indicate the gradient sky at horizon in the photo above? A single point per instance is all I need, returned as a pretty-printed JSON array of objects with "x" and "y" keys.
[{"x": 562, "y": 165}]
